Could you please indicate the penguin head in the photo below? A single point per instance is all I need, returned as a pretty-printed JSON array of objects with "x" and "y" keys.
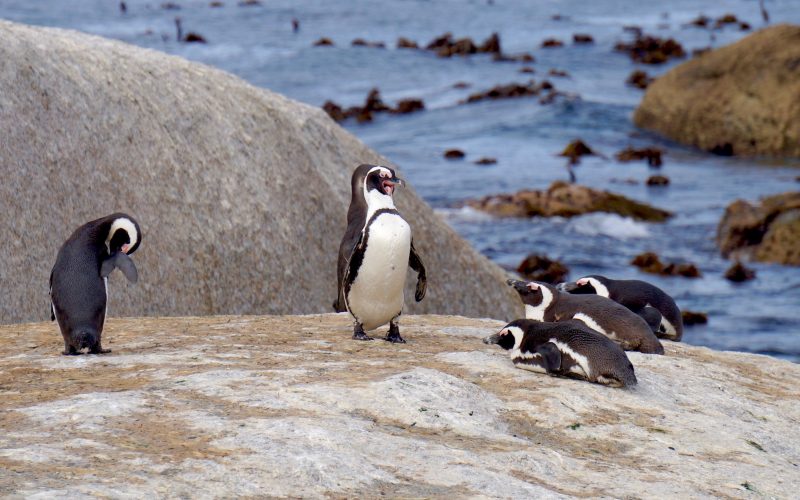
[
  {"x": 123, "y": 235},
  {"x": 534, "y": 293},
  {"x": 510, "y": 337},
  {"x": 375, "y": 181},
  {"x": 593, "y": 284}
]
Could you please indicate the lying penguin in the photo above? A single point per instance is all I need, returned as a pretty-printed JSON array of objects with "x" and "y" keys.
[
  {"x": 375, "y": 252},
  {"x": 648, "y": 301},
  {"x": 79, "y": 279},
  {"x": 543, "y": 302},
  {"x": 567, "y": 348}
]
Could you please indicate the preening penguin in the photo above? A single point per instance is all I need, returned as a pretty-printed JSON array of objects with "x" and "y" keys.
[
  {"x": 646, "y": 300},
  {"x": 376, "y": 250},
  {"x": 566, "y": 348},
  {"x": 79, "y": 279},
  {"x": 543, "y": 302}
]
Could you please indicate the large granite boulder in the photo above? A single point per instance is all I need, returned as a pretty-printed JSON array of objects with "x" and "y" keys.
[
  {"x": 563, "y": 199},
  {"x": 289, "y": 407},
  {"x": 742, "y": 99},
  {"x": 768, "y": 231},
  {"x": 241, "y": 193}
]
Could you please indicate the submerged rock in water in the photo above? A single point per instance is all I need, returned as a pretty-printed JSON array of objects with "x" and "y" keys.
[
  {"x": 372, "y": 104},
  {"x": 651, "y": 49},
  {"x": 510, "y": 91},
  {"x": 324, "y": 42},
  {"x": 693, "y": 318},
  {"x": 657, "y": 180},
  {"x": 650, "y": 262},
  {"x": 406, "y": 43},
  {"x": 241, "y": 193},
  {"x": 575, "y": 149},
  {"x": 639, "y": 79},
  {"x": 566, "y": 200},
  {"x": 454, "y": 154},
  {"x": 767, "y": 232},
  {"x": 540, "y": 268},
  {"x": 651, "y": 154},
  {"x": 740, "y": 99},
  {"x": 738, "y": 273},
  {"x": 288, "y": 404},
  {"x": 582, "y": 38}
]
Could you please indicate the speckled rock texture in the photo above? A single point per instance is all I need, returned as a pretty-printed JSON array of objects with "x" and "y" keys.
[
  {"x": 221, "y": 407},
  {"x": 241, "y": 193},
  {"x": 741, "y": 99}
]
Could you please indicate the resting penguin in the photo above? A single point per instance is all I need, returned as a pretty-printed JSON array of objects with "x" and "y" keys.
[
  {"x": 543, "y": 302},
  {"x": 646, "y": 300},
  {"x": 567, "y": 348},
  {"x": 79, "y": 279},
  {"x": 376, "y": 250}
]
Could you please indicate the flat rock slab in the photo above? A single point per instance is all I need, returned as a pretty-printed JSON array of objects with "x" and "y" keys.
[{"x": 207, "y": 407}]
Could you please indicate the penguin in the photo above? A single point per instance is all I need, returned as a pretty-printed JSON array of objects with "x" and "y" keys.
[
  {"x": 543, "y": 302},
  {"x": 566, "y": 348},
  {"x": 376, "y": 249},
  {"x": 646, "y": 300},
  {"x": 79, "y": 279}
]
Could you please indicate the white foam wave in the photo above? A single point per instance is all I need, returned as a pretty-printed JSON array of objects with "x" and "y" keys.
[
  {"x": 612, "y": 225},
  {"x": 463, "y": 214}
]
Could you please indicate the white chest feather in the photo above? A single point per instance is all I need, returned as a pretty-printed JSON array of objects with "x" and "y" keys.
[{"x": 376, "y": 295}]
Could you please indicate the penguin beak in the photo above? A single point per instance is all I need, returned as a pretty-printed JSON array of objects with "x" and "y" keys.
[
  {"x": 492, "y": 339},
  {"x": 388, "y": 185},
  {"x": 519, "y": 286},
  {"x": 125, "y": 248}
]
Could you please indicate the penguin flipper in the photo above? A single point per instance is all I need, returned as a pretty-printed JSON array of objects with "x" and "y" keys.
[
  {"x": 415, "y": 262},
  {"x": 551, "y": 356},
  {"x": 652, "y": 316},
  {"x": 122, "y": 262},
  {"x": 52, "y": 307}
]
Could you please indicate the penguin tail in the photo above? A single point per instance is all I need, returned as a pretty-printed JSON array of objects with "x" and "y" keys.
[{"x": 85, "y": 338}]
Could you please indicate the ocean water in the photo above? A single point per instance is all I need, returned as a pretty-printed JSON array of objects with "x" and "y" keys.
[{"x": 258, "y": 44}]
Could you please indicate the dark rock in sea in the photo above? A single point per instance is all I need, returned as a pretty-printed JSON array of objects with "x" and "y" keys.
[
  {"x": 323, "y": 42},
  {"x": 491, "y": 45},
  {"x": 651, "y": 154},
  {"x": 580, "y": 38},
  {"x": 215, "y": 5},
  {"x": 405, "y": 43},
  {"x": 249, "y": 3},
  {"x": 639, "y": 79},
  {"x": 649, "y": 262},
  {"x": 540, "y": 268},
  {"x": 563, "y": 199},
  {"x": 754, "y": 83},
  {"x": 524, "y": 57},
  {"x": 510, "y": 91},
  {"x": 360, "y": 42},
  {"x": 658, "y": 180},
  {"x": 193, "y": 37},
  {"x": 446, "y": 46},
  {"x": 725, "y": 20},
  {"x": 550, "y": 43},
  {"x": 700, "y": 21},
  {"x": 558, "y": 73},
  {"x": 766, "y": 232},
  {"x": 170, "y": 6},
  {"x": 739, "y": 273},
  {"x": 405, "y": 106},
  {"x": 633, "y": 29},
  {"x": 651, "y": 49},
  {"x": 693, "y": 318},
  {"x": 334, "y": 111},
  {"x": 743, "y": 26},
  {"x": 454, "y": 154},
  {"x": 558, "y": 17},
  {"x": 527, "y": 69},
  {"x": 575, "y": 150},
  {"x": 629, "y": 181},
  {"x": 485, "y": 161},
  {"x": 462, "y": 85}
]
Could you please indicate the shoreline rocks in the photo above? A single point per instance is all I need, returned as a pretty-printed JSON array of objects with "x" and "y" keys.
[
  {"x": 740, "y": 99},
  {"x": 768, "y": 231},
  {"x": 649, "y": 262},
  {"x": 651, "y": 154},
  {"x": 562, "y": 199},
  {"x": 646, "y": 49},
  {"x": 372, "y": 104},
  {"x": 540, "y": 268}
]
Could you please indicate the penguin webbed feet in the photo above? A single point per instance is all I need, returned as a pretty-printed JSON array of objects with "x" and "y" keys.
[
  {"x": 394, "y": 335},
  {"x": 358, "y": 333}
]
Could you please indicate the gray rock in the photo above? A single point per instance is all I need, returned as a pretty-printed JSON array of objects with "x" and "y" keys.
[
  {"x": 241, "y": 193},
  {"x": 217, "y": 407}
]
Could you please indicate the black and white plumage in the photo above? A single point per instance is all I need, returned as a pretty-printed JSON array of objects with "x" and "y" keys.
[
  {"x": 375, "y": 252},
  {"x": 544, "y": 302},
  {"x": 654, "y": 305},
  {"x": 568, "y": 349},
  {"x": 79, "y": 279}
]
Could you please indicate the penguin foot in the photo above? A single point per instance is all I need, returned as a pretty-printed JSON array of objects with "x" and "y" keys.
[
  {"x": 71, "y": 352},
  {"x": 100, "y": 350},
  {"x": 394, "y": 338},
  {"x": 358, "y": 333}
]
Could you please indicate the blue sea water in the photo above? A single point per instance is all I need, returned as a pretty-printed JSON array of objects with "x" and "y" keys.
[{"x": 258, "y": 44}]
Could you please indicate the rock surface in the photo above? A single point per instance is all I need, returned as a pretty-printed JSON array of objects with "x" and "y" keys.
[
  {"x": 741, "y": 99},
  {"x": 243, "y": 406},
  {"x": 767, "y": 232},
  {"x": 241, "y": 193},
  {"x": 566, "y": 200}
]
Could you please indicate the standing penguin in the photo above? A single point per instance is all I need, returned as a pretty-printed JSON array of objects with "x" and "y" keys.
[
  {"x": 376, "y": 250},
  {"x": 567, "y": 348},
  {"x": 79, "y": 279},
  {"x": 543, "y": 302},
  {"x": 646, "y": 300}
]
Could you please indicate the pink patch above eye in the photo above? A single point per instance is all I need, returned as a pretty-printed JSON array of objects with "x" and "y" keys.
[
  {"x": 533, "y": 286},
  {"x": 582, "y": 281}
]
